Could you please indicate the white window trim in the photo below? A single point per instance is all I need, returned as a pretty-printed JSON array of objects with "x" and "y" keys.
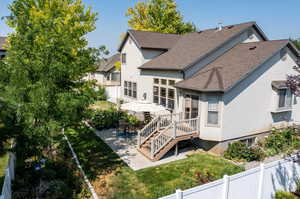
[
  {"x": 167, "y": 87},
  {"x": 285, "y": 108},
  {"x": 131, "y": 89},
  {"x": 219, "y": 111}
]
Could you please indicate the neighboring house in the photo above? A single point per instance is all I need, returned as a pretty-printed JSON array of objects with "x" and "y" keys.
[
  {"x": 2, "y": 48},
  {"x": 231, "y": 79},
  {"x": 107, "y": 74}
]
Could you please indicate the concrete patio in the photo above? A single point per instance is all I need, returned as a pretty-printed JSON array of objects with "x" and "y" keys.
[{"x": 125, "y": 147}]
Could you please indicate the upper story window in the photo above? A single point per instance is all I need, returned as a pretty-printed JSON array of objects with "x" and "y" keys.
[
  {"x": 123, "y": 58},
  {"x": 285, "y": 98},
  {"x": 213, "y": 111}
]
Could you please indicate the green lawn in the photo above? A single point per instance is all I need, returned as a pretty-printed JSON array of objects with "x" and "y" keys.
[
  {"x": 3, "y": 165},
  {"x": 112, "y": 178},
  {"x": 103, "y": 105}
]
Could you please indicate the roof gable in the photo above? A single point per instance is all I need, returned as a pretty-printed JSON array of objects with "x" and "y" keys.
[
  {"x": 192, "y": 47},
  {"x": 226, "y": 71},
  {"x": 151, "y": 40},
  {"x": 105, "y": 65}
]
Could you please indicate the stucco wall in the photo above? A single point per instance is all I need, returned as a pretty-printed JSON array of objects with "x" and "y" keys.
[
  {"x": 248, "y": 106},
  {"x": 144, "y": 79}
]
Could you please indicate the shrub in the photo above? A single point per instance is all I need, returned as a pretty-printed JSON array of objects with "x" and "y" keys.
[
  {"x": 105, "y": 119},
  {"x": 240, "y": 151},
  {"x": 101, "y": 96},
  {"x": 284, "y": 195},
  {"x": 281, "y": 141}
]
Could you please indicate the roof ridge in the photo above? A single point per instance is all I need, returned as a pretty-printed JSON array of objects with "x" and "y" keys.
[{"x": 155, "y": 32}]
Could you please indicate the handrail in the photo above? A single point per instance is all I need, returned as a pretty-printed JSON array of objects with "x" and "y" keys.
[
  {"x": 148, "y": 130},
  {"x": 160, "y": 140},
  {"x": 186, "y": 127}
]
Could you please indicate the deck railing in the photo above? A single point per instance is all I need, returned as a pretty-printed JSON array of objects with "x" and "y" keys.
[
  {"x": 173, "y": 131},
  {"x": 148, "y": 130},
  {"x": 160, "y": 140}
]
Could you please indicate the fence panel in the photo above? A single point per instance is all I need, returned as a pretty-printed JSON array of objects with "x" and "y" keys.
[
  {"x": 257, "y": 183},
  {"x": 9, "y": 177},
  {"x": 113, "y": 93}
]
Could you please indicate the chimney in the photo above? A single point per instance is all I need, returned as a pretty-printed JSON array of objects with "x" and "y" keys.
[{"x": 219, "y": 28}]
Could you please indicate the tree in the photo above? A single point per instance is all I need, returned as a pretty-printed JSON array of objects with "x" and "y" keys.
[
  {"x": 158, "y": 16},
  {"x": 42, "y": 75},
  {"x": 297, "y": 43},
  {"x": 293, "y": 81}
]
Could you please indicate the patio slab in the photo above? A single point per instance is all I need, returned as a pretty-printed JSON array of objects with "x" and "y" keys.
[{"x": 126, "y": 148}]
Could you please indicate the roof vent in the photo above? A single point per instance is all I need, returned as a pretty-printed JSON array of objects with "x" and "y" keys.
[
  {"x": 229, "y": 27},
  {"x": 252, "y": 48}
]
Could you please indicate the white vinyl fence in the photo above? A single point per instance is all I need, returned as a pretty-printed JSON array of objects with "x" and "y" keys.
[
  {"x": 257, "y": 183},
  {"x": 113, "y": 93},
  {"x": 9, "y": 177}
]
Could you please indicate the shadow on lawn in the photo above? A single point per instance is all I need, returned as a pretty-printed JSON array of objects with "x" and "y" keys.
[{"x": 95, "y": 156}]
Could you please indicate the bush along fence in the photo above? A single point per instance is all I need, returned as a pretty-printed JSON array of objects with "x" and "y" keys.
[
  {"x": 9, "y": 177},
  {"x": 257, "y": 183}
]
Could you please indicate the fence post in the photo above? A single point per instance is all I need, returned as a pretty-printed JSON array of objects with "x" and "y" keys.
[
  {"x": 226, "y": 187},
  {"x": 179, "y": 194},
  {"x": 261, "y": 181}
]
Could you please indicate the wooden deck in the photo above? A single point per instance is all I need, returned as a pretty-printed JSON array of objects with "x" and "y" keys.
[{"x": 162, "y": 134}]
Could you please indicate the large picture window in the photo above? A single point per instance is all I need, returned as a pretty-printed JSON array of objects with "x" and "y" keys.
[
  {"x": 130, "y": 89},
  {"x": 164, "y": 92}
]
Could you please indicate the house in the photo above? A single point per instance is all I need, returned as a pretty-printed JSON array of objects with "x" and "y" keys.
[
  {"x": 106, "y": 73},
  {"x": 222, "y": 84},
  {"x": 2, "y": 48}
]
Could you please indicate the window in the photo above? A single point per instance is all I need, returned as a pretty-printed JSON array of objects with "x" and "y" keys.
[
  {"x": 130, "y": 89},
  {"x": 213, "y": 111},
  {"x": 171, "y": 98},
  {"x": 134, "y": 90},
  {"x": 163, "y": 81},
  {"x": 163, "y": 93},
  {"x": 125, "y": 88},
  {"x": 171, "y": 82},
  {"x": 249, "y": 141},
  {"x": 191, "y": 106},
  {"x": 155, "y": 94},
  {"x": 123, "y": 58},
  {"x": 285, "y": 98}
]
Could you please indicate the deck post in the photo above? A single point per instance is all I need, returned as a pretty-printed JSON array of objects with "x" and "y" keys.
[
  {"x": 174, "y": 129},
  {"x": 179, "y": 194},
  {"x": 176, "y": 149},
  {"x": 158, "y": 124},
  {"x": 198, "y": 125},
  {"x": 152, "y": 149},
  {"x": 139, "y": 139}
]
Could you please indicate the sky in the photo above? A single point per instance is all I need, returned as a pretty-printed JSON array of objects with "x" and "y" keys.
[{"x": 279, "y": 19}]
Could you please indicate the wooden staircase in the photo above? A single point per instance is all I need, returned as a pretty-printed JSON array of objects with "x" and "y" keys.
[{"x": 164, "y": 132}]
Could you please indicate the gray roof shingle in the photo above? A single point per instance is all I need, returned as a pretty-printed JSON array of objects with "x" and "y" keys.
[
  {"x": 105, "y": 65},
  {"x": 234, "y": 65},
  {"x": 193, "y": 46}
]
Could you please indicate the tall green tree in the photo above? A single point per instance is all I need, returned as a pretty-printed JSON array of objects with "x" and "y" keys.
[
  {"x": 43, "y": 73},
  {"x": 297, "y": 43},
  {"x": 158, "y": 16}
]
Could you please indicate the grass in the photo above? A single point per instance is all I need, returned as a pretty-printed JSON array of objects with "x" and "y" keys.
[
  {"x": 112, "y": 178},
  {"x": 103, "y": 105},
  {"x": 3, "y": 165}
]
